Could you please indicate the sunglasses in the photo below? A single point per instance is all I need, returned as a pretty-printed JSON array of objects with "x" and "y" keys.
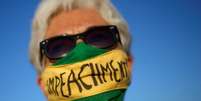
[{"x": 104, "y": 37}]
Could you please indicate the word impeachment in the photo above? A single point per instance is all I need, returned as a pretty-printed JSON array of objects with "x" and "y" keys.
[{"x": 65, "y": 83}]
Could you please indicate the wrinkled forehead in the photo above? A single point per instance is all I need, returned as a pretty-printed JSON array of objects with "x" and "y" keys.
[{"x": 73, "y": 21}]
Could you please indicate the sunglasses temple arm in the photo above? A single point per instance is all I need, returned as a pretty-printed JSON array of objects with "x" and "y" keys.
[{"x": 118, "y": 37}]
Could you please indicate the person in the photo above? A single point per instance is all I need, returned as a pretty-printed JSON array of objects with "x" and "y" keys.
[{"x": 81, "y": 50}]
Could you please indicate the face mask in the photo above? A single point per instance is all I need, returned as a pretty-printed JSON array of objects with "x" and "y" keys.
[{"x": 86, "y": 74}]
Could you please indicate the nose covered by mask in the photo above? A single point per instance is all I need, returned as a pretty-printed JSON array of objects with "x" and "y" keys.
[{"x": 88, "y": 74}]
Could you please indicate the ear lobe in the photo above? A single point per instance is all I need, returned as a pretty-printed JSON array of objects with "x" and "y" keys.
[
  {"x": 130, "y": 58},
  {"x": 40, "y": 83},
  {"x": 130, "y": 63}
]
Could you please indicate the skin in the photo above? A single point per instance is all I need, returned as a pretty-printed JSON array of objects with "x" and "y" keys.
[{"x": 80, "y": 20}]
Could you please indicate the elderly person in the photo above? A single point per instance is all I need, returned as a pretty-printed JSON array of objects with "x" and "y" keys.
[{"x": 80, "y": 49}]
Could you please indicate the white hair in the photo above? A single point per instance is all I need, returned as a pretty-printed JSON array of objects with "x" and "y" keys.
[{"x": 49, "y": 7}]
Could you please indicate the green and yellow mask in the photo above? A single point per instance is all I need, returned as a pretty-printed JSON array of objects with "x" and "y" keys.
[{"x": 88, "y": 74}]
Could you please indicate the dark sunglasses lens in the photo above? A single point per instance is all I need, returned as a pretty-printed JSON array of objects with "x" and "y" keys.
[
  {"x": 59, "y": 47},
  {"x": 101, "y": 39}
]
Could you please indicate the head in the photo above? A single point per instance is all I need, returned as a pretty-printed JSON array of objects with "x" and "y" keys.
[{"x": 57, "y": 17}]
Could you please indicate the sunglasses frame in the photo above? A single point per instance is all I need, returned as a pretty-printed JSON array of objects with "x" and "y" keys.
[{"x": 44, "y": 43}]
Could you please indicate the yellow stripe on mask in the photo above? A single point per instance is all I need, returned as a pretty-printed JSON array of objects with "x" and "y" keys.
[{"x": 106, "y": 72}]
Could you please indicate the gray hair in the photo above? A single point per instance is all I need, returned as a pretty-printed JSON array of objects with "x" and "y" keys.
[{"x": 49, "y": 7}]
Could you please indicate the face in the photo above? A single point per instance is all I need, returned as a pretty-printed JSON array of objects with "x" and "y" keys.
[
  {"x": 80, "y": 21},
  {"x": 72, "y": 22}
]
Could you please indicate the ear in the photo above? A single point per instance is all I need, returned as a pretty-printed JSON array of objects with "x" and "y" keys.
[
  {"x": 40, "y": 83},
  {"x": 130, "y": 62},
  {"x": 130, "y": 58}
]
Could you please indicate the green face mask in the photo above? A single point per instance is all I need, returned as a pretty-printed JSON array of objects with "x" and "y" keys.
[{"x": 88, "y": 74}]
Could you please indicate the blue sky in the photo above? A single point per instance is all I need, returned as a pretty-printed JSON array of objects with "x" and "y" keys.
[{"x": 166, "y": 46}]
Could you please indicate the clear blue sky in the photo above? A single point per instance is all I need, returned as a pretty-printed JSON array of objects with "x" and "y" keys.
[{"x": 166, "y": 45}]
